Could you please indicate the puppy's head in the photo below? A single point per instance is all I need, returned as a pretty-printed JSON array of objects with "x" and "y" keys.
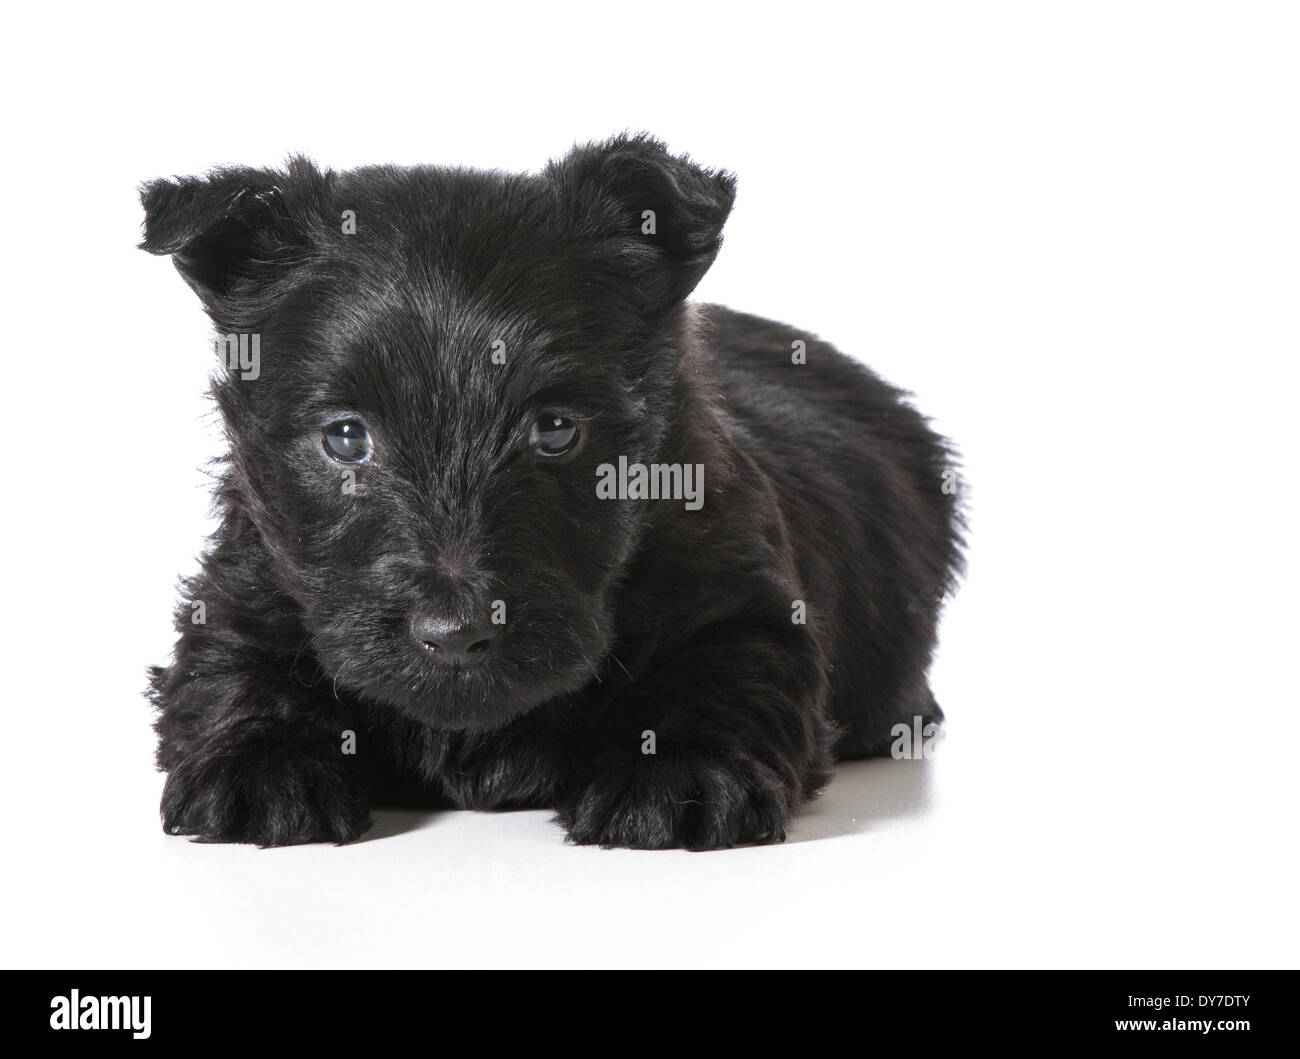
[{"x": 421, "y": 370}]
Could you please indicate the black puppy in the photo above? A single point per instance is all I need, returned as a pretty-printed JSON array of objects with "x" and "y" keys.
[{"x": 506, "y": 523}]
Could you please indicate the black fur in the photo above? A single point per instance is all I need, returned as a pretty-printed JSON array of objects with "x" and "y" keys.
[{"x": 623, "y": 616}]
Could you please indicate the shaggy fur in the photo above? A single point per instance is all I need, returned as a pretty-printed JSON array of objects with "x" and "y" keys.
[{"x": 623, "y": 617}]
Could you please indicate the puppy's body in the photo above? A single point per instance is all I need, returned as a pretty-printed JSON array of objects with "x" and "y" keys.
[
  {"x": 664, "y": 675},
  {"x": 855, "y": 468}
]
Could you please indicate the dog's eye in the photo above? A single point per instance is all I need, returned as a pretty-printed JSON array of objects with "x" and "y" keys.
[
  {"x": 347, "y": 441},
  {"x": 553, "y": 435}
]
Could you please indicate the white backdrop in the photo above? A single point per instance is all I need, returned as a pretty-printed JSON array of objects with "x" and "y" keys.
[{"x": 1071, "y": 229}]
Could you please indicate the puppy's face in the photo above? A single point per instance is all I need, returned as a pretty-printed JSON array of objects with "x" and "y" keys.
[{"x": 443, "y": 359}]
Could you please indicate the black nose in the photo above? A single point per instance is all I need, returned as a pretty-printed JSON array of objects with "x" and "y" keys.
[{"x": 452, "y": 643}]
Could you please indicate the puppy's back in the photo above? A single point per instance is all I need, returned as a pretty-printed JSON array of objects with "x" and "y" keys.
[{"x": 861, "y": 479}]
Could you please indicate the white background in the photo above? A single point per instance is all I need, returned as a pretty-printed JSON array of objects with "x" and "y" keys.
[{"x": 1073, "y": 230}]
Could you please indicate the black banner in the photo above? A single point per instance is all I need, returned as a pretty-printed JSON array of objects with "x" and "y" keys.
[{"x": 1221, "y": 1010}]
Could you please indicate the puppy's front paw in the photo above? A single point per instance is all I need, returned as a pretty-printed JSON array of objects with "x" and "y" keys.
[
  {"x": 268, "y": 792},
  {"x": 679, "y": 800}
]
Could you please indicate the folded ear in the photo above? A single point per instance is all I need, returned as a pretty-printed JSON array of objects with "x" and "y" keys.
[
  {"x": 236, "y": 231},
  {"x": 661, "y": 213}
]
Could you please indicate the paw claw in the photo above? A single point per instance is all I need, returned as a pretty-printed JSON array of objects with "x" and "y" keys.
[
  {"x": 279, "y": 796},
  {"x": 687, "y": 802}
]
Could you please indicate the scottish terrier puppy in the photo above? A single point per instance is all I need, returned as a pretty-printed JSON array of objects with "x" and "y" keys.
[{"x": 505, "y": 522}]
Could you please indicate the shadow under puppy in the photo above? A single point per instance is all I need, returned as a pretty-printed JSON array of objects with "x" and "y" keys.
[{"x": 440, "y": 573}]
